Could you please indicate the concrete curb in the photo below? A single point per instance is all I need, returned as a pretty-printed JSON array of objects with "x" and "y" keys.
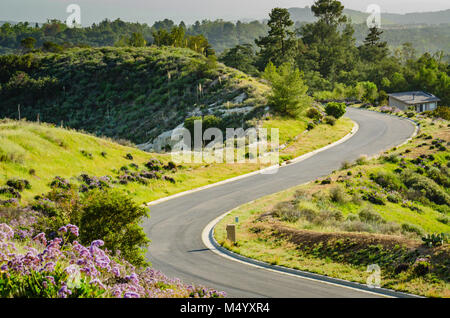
[
  {"x": 211, "y": 243},
  {"x": 295, "y": 160}
]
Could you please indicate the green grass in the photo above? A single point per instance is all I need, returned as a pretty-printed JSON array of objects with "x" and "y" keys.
[{"x": 51, "y": 151}]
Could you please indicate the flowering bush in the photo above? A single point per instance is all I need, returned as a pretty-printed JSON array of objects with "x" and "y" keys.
[{"x": 62, "y": 267}]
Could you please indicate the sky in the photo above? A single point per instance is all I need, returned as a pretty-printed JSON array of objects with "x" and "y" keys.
[{"x": 149, "y": 11}]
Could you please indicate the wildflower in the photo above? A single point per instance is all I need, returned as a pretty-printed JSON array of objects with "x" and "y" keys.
[
  {"x": 6, "y": 232},
  {"x": 131, "y": 295},
  {"x": 64, "y": 291},
  {"x": 40, "y": 238},
  {"x": 62, "y": 229},
  {"x": 73, "y": 229}
]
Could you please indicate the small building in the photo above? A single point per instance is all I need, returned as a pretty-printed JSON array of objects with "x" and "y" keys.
[{"x": 417, "y": 100}]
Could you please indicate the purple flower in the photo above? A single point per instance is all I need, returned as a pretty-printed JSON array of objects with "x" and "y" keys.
[
  {"x": 64, "y": 291},
  {"x": 40, "y": 238},
  {"x": 62, "y": 229},
  {"x": 131, "y": 295},
  {"x": 97, "y": 243},
  {"x": 73, "y": 229},
  {"x": 5, "y": 232}
]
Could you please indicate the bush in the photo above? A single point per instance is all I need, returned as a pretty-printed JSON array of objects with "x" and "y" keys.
[
  {"x": 442, "y": 112},
  {"x": 425, "y": 187},
  {"x": 362, "y": 160},
  {"x": 337, "y": 195},
  {"x": 310, "y": 126},
  {"x": 387, "y": 180},
  {"x": 337, "y": 110},
  {"x": 113, "y": 217},
  {"x": 374, "y": 198},
  {"x": 411, "y": 228},
  {"x": 370, "y": 216},
  {"x": 313, "y": 113},
  {"x": 330, "y": 120},
  {"x": 19, "y": 184},
  {"x": 421, "y": 267}
]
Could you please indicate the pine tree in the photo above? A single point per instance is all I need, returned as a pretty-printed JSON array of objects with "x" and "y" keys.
[
  {"x": 280, "y": 44},
  {"x": 374, "y": 49}
]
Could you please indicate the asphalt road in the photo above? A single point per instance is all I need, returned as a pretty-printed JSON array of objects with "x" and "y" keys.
[{"x": 175, "y": 226}]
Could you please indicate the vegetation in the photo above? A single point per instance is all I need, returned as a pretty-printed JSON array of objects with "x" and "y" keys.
[
  {"x": 288, "y": 96},
  {"x": 137, "y": 94}
]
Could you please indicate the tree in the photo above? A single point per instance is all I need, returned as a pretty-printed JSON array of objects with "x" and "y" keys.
[
  {"x": 241, "y": 57},
  {"x": 279, "y": 46},
  {"x": 330, "y": 46},
  {"x": 374, "y": 49},
  {"x": 28, "y": 43},
  {"x": 137, "y": 40},
  {"x": 329, "y": 11},
  {"x": 288, "y": 96}
]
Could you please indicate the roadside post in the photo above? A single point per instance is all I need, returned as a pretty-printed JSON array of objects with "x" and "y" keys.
[{"x": 231, "y": 233}]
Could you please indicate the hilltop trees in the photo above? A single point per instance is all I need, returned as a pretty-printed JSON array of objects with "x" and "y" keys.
[
  {"x": 241, "y": 57},
  {"x": 330, "y": 44},
  {"x": 280, "y": 44}
]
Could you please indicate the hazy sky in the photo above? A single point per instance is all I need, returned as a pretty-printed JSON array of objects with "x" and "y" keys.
[{"x": 188, "y": 10}]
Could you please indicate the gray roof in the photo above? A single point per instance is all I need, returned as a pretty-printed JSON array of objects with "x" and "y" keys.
[{"x": 417, "y": 97}]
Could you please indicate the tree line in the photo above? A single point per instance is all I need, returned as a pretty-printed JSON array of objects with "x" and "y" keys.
[{"x": 325, "y": 59}]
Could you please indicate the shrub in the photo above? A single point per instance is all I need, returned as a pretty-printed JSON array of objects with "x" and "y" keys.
[
  {"x": 310, "y": 126},
  {"x": 421, "y": 266},
  {"x": 346, "y": 165},
  {"x": 129, "y": 156},
  {"x": 411, "y": 228},
  {"x": 313, "y": 113},
  {"x": 370, "y": 216},
  {"x": 330, "y": 120},
  {"x": 352, "y": 217},
  {"x": 362, "y": 160},
  {"x": 291, "y": 216},
  {"x": 442, "y": 112},
  {"x": 374, "y": 198},
  {"x": 337, "y": 195},
  {"x": 356, "y": 226},
  {"x": 113, "y": 217},
  {"x": 387, "y": 180},
  {"x": 425, "y": 186},
  {"x": 337, "y": 110},
  {"x": 19, "y": 184},
  {"x": 308, "y": 214}
]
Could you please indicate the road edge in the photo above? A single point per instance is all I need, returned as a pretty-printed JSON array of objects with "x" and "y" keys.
[{"x": 210, "y": 242}]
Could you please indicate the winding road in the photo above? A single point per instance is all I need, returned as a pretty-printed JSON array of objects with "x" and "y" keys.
[{"x": 176, "y": 225}]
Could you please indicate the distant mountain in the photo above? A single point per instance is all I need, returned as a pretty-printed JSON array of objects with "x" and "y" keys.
[{"x": 438, "y": 17}]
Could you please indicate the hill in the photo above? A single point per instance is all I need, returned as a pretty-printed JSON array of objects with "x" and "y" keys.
[
  {"x": 129, "y": 93},
  {"x": 438, "y": 17}
]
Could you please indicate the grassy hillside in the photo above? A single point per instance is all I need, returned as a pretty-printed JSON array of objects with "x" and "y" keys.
[
  {"x": 370, "y": 212},
  {"x": 131, "y": 93},
  {"x": 39, "y": 152}
]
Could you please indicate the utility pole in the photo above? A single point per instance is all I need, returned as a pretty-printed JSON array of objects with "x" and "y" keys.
[{"x": 18, "y": 109}]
